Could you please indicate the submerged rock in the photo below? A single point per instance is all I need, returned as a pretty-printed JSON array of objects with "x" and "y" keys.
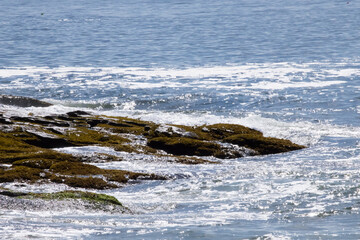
[
  {"x": 61, "y": 201},
  {"x": 22, "y": 101}
]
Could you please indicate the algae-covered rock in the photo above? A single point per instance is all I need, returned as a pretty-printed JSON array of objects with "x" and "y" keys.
[
  {"x": 20, "y": 173},
  {"x": 26, "y": 143},
  {"x": 194, "y": 147},
  {"x": 221, "y": 131},
  {"x": 209, "y": 140},
  {"x": 77, "y": 174},
  {"x": 184, "y": 146},
  {"x": 263, "y": 145},
  {"x": 84, "y": 182},
  {"x": 26, "y": 152},
  {"x": 75, "y": 168},
  {"x": 35, "y": 163},
  {"x": 61, "y": 201},
  {"x": 64, "y": 195}
]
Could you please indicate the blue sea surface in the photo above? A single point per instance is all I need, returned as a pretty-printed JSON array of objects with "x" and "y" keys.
[
  {"x": 290, "y": 69},
  {"x": 144, "y": 33}
]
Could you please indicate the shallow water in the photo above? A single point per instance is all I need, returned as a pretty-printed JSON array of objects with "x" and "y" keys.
[{"x": 290, "y": 70}]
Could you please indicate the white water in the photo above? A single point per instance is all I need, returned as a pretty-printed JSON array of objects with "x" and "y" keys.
[{"x": 288, "y": 69}]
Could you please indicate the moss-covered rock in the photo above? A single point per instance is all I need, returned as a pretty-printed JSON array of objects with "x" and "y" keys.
[
  {"x": 221, "y": 131},
  {"x": 11, "y": 147},
  {"x": 57, "y": 200},
  {"x": 26, "y": 142},
  {"x": 84, "y": 182},
  {"x": 207, "y": 140},
  {"x": 35, "y": 163},
  {"x": 75, "y": 168},
  {"x": 185, "y": 146},
  {"x": 28, "y": 158},
  {"x": 67, "y": 172},
  {"x": 263, "y": 145},
  {"x": 20, "y": 173},
  {"x": 65, "y": 195}
]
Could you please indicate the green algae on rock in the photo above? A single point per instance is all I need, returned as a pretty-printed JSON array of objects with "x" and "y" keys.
[
  {"x": 75, "y": 199},
  {"x": 32, "y": 164},
  {"x": 185, "y": 146},
  {"x": 209, "y": 140},
  {"x": 83, "y": 182},
  {"x": 77, "y": 174},
  {"x": 263, "y": 145},
  {"x": 26, "y": 142},
  {"x": 89, "y": 196},
  {"x": 64, "y": 195},
  {"x": 20, "y": 173}
]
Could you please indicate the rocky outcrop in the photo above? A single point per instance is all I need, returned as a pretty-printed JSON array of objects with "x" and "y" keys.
[
  {"x": 27, "y": 142},
  {"x": 214, "y": 140},
  {"x": 61, "y": 201},
  {"x": 27, "y": 154}
]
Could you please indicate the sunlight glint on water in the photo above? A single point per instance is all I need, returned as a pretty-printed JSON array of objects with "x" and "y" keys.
[{"x": 288, "y": 69}]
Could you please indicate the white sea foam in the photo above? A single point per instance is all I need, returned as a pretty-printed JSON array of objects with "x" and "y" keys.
[
  {"x": 277, "y": 75},
  {"x": 322, "y": 179},
  {"x": 301, "y": 132}
]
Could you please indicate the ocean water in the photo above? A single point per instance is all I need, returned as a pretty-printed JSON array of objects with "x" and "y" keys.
[{"x": 290, "y": 69}]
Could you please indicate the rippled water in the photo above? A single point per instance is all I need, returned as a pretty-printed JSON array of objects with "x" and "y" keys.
[{"x": 289, "y": 69}]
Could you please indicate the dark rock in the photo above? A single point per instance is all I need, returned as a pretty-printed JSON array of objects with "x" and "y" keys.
[
  {"x": 94, "y": 122},
  {"x": 54, "y": 131},
  {"x": 49, "y": 117},
  {"x": 114, "y": 124},
  {"x": 135, "y": 123},
  {"x": 22, "y": 101},
  {"x": 5, "y": 121},
  {"x": 263, "y": 145},
  {"x": 47, "y": 141},
  {"x": 185, "y": 146},
  {"x": 12, "y": 194},
  {"x": 40, "y": 122},
  {"x": 65, "y": 118},
  {"x": 77, "y": 113}
]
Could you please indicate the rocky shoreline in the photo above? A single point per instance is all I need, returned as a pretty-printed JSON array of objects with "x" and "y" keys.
[{"x": 27, "y": 146}]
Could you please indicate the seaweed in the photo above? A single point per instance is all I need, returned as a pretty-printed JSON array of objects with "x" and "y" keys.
[
  {"x": 26, "y": 142},
  {"x": 20, "y": 173},
  {"x": 84, "y": 182},
  {"x": 185, "y": 146},
  {"x": 64, "y": 195},
  {"x": 88, "y": 196},
  {"x": 263, "y": 145}
]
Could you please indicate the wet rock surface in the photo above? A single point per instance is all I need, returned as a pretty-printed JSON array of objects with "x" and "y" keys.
[
  {"x": 22, "y": 101},
  {"x": 27, "y": 144},
  {"x": 61, "y": 201},
  {"x": 27, "y": 154}
]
